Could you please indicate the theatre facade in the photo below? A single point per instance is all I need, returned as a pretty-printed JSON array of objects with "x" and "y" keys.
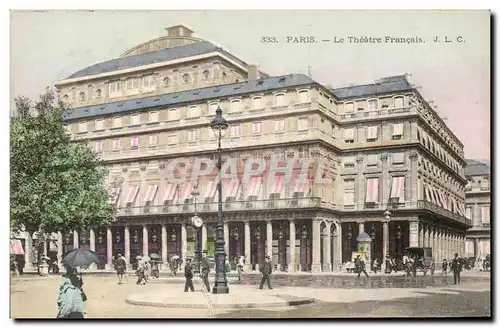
[{"x": 375, "y": 147}]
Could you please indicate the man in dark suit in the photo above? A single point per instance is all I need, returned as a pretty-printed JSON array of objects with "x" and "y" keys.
[
  {"x": 188, "y": 273},
  {"x": 205, "y": 270},
  {"x": 456, "y": 267},
  {"x": 266, "y": 270}
]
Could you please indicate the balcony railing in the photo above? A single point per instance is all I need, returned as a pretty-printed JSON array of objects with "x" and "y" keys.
[
  {"x": 268, "y": 204},
  {"x": 422, "y": 204}
]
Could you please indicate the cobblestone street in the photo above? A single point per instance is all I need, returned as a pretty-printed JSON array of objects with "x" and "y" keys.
[{"x": 36, "y": 298}]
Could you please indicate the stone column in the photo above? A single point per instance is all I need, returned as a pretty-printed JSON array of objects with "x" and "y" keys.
[
  {"x": 28, "y": 251},
  {"x": 361, "y": 228},
  {"x": 203, "y": 237},
  {"x": 337, "y": 257},
  {"x": 476, "y": 247},
  {"x": 60, "y": 247},
  {"x": 316, "y": 246},
  {"x": 164, "y": 253},
  {"x": 248, "y": 255},
  {"x": 145, "y": 240},
  {"x": 126, "y": 244},
  {"x": 427, "y": 236},
  {"x": 226, "y": 238},
  {"x": 385, "y": 243},
  {"x": 463, "y": 244},
  {"x": 75, "y": 239},
  {"x": 291, "y": 258},
  {"x": 109, "y": 248},
  {"x": 326, "y": 250},
  {"x": 269, "y": 239},
  {"x": 413, "y": 233},
  {"x": 412, "y": 179},
  {"x": 386, "y": 181},
  {"x": 183, "y": 242},
  {"x": 91, "y": 239}
]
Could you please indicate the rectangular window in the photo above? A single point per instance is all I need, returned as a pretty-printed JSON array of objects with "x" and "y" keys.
[
  {"x": 485, "y": 214},
  {"x": 398, "y": 102},
  {"x": 99, "y": 124},
  {"x": 117, "y": 122},
  {"x": 372, "y": 190},
  {"x": 256, "y": 127},
  {"x": 349, "y": 135},
  {"x": 303, "y": 96},
  {"x": 98, "y": 146},
  {"x": 82, "y": 127},
  {"x": 133, "y": 83},
  {"x": 135, "y": 119},
  {"x": 212, "y": 108},
  {"x": 348, "y": 107},
  {"x": 134, "y": 142},
  {"x": 114, "y": 86},
  {"x": 303, "y": 123},
  {"x": 348, "y": 192},
  {"x": 149, "y": 80},
  {"x": 372, "y": 104},
  {"x": 279, "y": 125},
  {"x": 398, "y": 158},
  {"x": 172, "y": 139},
  {"x": 349, "y": 161},
  {"x": 398, "y": 189},
  {"x": 372, "y": 133},
  {"x": 235, "y": 130},
  {"x": 372, "y": 160},
  {"x": 193, "y": 135},
  {"x": 280, "y": 100},
  {"x": 257, "y": 103},
  {"x": 153, "y": 139},
  {"x": 397, "y": 131},
  {"x": 153, "y": 117},
  {"x": 117, "y": 144}
]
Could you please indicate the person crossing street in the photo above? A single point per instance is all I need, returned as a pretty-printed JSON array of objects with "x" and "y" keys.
[{"x": 188, "y": 273}]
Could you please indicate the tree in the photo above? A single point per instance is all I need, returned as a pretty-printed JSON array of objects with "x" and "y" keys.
[{"x": 56, "y": 184}]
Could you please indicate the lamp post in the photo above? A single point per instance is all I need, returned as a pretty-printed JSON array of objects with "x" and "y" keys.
[
  {"x": 197, "y": 251},
  {"x": 218, "y": 125}
]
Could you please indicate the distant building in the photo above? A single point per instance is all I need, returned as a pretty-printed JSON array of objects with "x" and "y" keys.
[
  {"x": 385, "y": 147},
  {"x": 477, "y": 202}
]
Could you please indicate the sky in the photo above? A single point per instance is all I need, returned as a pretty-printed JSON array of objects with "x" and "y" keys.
[{"x": 47, "y": 46}]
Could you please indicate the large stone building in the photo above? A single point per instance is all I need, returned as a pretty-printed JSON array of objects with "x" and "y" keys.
[
  {"x": 477, "y": 202},
  {"x": 384, "y": 147}
]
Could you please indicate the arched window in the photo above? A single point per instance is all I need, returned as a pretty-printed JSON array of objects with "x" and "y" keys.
[
  {"x": 206, "y": 74},
  {"x": 166, "y": 82},
  {"x": 235, "y": 105},
  {"x": 224, "y": 76},
  {"x": 212, "y": 107},
  {"x": 81, "y": 96},
  {"x": 98, "y": 93},
  {"x": 194, "y": 111},
  {"x": 398, "y": 102},
  {"x": 257, "y": 103},
  {"x": 303, "y": 96},
  {"x": 280, "y": 100},
  {"x": 186, "y": 78}
]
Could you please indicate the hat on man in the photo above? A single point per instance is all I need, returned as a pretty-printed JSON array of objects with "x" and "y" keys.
[
  {"x": 268, "y": 257},
  {"x": 119, "y": 255},
  {"x": 205, "y": 251},
  {"x": 188, "y": 259}
]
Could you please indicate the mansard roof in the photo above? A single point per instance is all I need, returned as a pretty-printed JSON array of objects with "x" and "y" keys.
[
  {"x": 184, "y": 51},
  {"x": 475, "y": 168},
  {"x": 197, "y": 95},
  {"x": 385, "y": 85}
]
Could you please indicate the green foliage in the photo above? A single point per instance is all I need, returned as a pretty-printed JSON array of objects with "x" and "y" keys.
[{"x": 55, "y": 184}]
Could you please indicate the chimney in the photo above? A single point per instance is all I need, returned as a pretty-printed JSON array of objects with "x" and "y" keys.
[
  {"x": 253, "y": 72},
  {"x": 179, "y": 31}
]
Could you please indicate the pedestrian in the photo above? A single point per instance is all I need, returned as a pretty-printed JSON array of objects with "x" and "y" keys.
[
  {"x": 444, "y": 267},
  {"x": 375, "y": 266},
  {"x": 140, "y": 272},
  {"x": 120, "y": 267},
  {"x": 266, "y": 270},
  {"x": 241, "y": 263},
  {"x": 456, "y": 267},
  {"x": 71, "y": 299},
  {"x": 205, "y": 270},
  {"x": 188, "y": 273},
  {"x": 361, "y": 266},
  {"x": 147, "y": 271}
]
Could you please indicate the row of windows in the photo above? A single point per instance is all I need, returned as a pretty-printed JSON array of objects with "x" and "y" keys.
[
  {"x": 173, "y": 114},
  {"x": 373, "y": 160},
  {"x": 434, "y": 170},
  {"x": 484, "y": 214},
  {"x": 372, "y": 190},
  {"x": 373, "y": 133},
  {"x": 437, "y": 150},
  {"x": 372, "y": 105}
]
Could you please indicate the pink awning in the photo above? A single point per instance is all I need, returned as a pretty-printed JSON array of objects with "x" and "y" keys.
[
  {"x": 398, "y": 187},
  {"x": 277, "y": 185},
  {"x": 185, "y": 192},
  {"x": 132, "y": 194},
  {"x": 253, "y": 187},
  {"x": 372, "y": 190},
  {"x": 230, "y": 188},
  {"x": 170, "y": 192},
  {"x": 151, "y": 193},
  {"x": 16, "y": 248},
  {"x": 211, "y": 188},
  {"x": 301, "y": 187}
]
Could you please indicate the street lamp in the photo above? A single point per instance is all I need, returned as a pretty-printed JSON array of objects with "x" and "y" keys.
[
  {"x": 197, "y": 222},
  {"x": 218, "y": 125}
]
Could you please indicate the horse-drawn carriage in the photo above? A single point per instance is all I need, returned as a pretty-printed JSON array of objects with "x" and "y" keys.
[{"x": 422, "y": 260}]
